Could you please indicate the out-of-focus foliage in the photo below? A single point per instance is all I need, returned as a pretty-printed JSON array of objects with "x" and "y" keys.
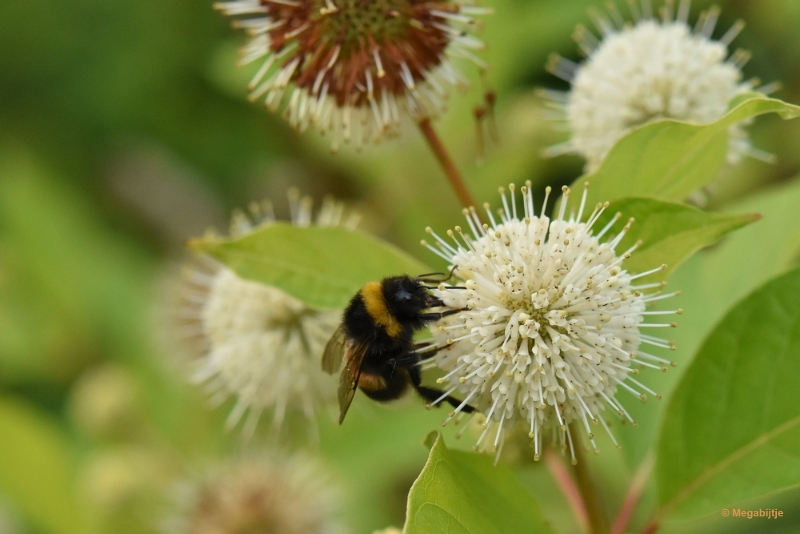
[
  {"x": 125, "y": 129},
  {"x": 39, "y": 482}
]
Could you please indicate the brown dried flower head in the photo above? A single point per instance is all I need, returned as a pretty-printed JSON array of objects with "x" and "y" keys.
[{"x": 354, "y": 67}]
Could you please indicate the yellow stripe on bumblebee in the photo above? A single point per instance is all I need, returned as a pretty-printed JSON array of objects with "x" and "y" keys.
[{"x": 375, "y": 302}]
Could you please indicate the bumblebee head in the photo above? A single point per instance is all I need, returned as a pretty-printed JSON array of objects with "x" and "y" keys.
[{"x": 406, "y": 297}]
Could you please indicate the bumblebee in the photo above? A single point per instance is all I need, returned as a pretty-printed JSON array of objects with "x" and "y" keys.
[{"x": 375, "y": 342}]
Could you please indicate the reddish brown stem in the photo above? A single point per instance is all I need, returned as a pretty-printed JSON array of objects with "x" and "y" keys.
[
  {"x": 635, "y": 490},
  {"x": 446, "y": 162},
  {"x": 568, "y": 488},
  {"x": 651, "y": 528}
]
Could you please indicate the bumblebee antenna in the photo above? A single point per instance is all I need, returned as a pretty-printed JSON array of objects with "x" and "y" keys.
[
  {"x": 433, "y": 280},
  {"x": 430, "y": 274}
]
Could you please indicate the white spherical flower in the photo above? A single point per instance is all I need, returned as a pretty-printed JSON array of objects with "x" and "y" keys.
[
  {"x": 551, "y": 321},
  {"x": 354, "y": 68},
  {"x": 258, "y": 343},
  {"x": 257, "y": 494},
  {"x": 651, "y": 69}
]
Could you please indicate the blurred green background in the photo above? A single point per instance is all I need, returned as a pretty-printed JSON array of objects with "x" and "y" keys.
[{"x": 125, "y": 130}]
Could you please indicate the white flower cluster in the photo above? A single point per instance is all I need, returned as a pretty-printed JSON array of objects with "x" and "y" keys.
[
  {"x": 653, "y": 69},
  {"x": 551, "y": 321},
  {"x": 262, "y": 345}
]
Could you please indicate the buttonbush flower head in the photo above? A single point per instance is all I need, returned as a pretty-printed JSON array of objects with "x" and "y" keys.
[
  {"x": 650, "y": 69},
  {"x": 257, "y": 495},
  {"x": 552, "y": 323},
  {"x": 259, "y": 344},
  {"x": 353, "y": 67}
]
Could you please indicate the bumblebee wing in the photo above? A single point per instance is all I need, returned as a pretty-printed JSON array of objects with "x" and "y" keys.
[
  {"x": 354, "y": 357},
  {"x": 334, "y": 351}
]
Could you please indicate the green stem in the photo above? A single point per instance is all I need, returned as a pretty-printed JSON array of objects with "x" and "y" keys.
[
  {"x": 597, "y": 519},
  {"x": 446, "y": 162}
]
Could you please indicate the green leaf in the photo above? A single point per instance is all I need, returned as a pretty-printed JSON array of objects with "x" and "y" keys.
[
  {"x": 462, "y": 493},
  {"x": 711, "y": 281},
  {"x": 670, "y": 232},
  {"x": 669, "y": 159},
  {"x": 322, "y": 266},
  {"x": 731, "y": 432},
  {"x": 720, "y": 276},
  {"x": 36, "y": 472}
]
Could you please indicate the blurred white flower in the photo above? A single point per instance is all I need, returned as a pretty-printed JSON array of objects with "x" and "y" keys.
[
  {"x": 649, "y": 70},
  {"x": 353, "y": 67},
  {"x": 552, "y": 322},
  {"x": 105, "y": 402},
  {"x": 122, "y": 477},
  {"x": 257, "y": 495},
  {"x": 259, "y": 344}
]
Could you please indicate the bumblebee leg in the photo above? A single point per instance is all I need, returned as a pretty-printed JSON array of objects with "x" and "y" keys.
[
  {"x": 437, "y": 316},
  {"x": 425, "y": 355},
  {"x": 415, "y": 357},
  {"x": 432, "y": 394}
]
